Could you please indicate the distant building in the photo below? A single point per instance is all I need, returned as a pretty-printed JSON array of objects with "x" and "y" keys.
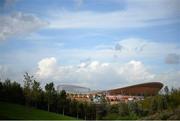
[
  {"x": 125, "y": 94},
  {"x": 72, "y": 89}
]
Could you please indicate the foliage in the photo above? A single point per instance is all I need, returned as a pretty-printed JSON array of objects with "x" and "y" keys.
[
  {"x": 28, "y": 88},
  {"x": 174, "y": 98},
  {"x": 166, "y": 90},
  {"x": 50, "y": 99},
  {"x": 11, "y": 92},
  {"x": 36, "y": 92},
  {"x": 123, "y": 109},
  {"x": 49, "y": 94},
  {"x": 102, "y": 108}
]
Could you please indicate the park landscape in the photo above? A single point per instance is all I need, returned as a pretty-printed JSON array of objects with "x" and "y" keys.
[
  {"x": 32, "y": 102},
  {"x": 89, "y": 60}
]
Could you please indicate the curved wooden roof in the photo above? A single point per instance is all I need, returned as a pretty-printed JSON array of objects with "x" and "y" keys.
[{"x": 151, "y": 88}]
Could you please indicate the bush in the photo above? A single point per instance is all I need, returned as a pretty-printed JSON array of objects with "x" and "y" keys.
[{"x": 123, "y": 109}]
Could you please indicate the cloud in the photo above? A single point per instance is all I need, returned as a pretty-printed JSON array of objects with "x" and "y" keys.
[
  {"x": 3, "y": 72},
  {"x": 93, "y": 74},
  {"x": 47, "y": 67},
  {"x": 137, "y": 47},
  {"x": 137, "y": 13},
  {"x": 153, "y": 51},
  {"x": 118, "y": 47},
  {"x": 19, "y": 24},
  {"x": 169, "y": 78},
  {"x": 135, "y": 71},
  {"x": 172, "y": 58},
  {"x": 9, "y": 73}
]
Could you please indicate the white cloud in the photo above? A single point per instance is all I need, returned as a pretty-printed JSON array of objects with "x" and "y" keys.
[
  {"x": 152, "y": 51},
  {"x": 19, "y": 24},
  {"x": 135, "y": 71},
  {"x": 137, "y": 13},
  {"x": 47, "y": 67},
  {"x": 8, "y": 73},
  {"x": 3, "y": 72},
  {"x": 94, "y": 74},
  {"x": 169, "y": 78},
  {"x": 136, "y": 47}
]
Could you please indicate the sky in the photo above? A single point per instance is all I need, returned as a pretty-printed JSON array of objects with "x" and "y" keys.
[{"x": 100, "y": 44}]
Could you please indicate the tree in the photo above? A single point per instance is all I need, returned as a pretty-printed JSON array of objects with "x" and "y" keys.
[
  {"x": 49, "y": 93},
  {"x": 17, "y": 93},
  {"x": 28, "y": 88},
  {"x": 63, "y": 100},
  {"x": 86, "y": 110},
  {"x": 6, "y": 91},
  {"x": 1, "y": 89},
  {"x": 123, "y": 109},
  {"x": 58, "y": 105},
  {"x": 11, "y": 92},
  {"x": 174, "y": 98},
  {"x": 114, "y": 108},
  {"x": 73, "y": 108},
  {"x": 164, "y": 102},
  {"x": 133, "y": 108},
  {"x": 166, "y": 90},
  {"x": 102, "y": 108},
  {"x": 154, "y": 105},
  {"x": 36, "y": 92}
]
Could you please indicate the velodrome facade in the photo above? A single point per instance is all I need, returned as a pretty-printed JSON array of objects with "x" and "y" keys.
[{"x": 125, "y": 94}]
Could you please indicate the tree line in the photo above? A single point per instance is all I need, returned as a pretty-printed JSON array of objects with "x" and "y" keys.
[
  {"x": 162, "y": 106},
  {"x": 165, "y": 105},
  {"x": 50, "y": 99}
]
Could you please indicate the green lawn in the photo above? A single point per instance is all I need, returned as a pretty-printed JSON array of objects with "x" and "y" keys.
[{"x": 14, "y": 111}]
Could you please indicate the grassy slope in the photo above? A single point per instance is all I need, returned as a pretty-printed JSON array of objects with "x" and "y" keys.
[
  {"x": 114, "y": 116},
  {"x": 14, "y": 111}
]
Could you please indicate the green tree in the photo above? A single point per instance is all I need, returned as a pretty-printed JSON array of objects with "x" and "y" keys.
[
  {"x": 28, "y": 88},
  {"x": 102, "y": 108},
  {"x": 154, "y": 105},
  {"x": 166, "y": 90},
  {"x": 114, "y": 108},
  {"x": 36, "y": 92},
  {"x": 11, "y": 92},
  {"x": 86, "y": 110},
  {"x": 49, "y": 93},
  {"x": 63, "y": 100},
  {"x": 73, "y": 108},
  {"x": 58, "y": 105},
  {"x": 1, "y": 90},
  {"x": 77, "y": 109},
  {"x": 123, "y": 109},
  {"x": 17, "y": 95},
  {"x": 133, "y": 108},
  {"x": 174, "y": 98},
  {"x": 164, "y": 102}
]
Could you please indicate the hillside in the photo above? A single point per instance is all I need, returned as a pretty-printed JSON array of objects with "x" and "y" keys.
[{"x": 14, "y": 111}]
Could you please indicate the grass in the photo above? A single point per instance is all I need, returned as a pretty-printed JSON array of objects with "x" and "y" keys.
[
  {"x": 14, "y": 111},
  {"x": 115, "y": 116}
]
